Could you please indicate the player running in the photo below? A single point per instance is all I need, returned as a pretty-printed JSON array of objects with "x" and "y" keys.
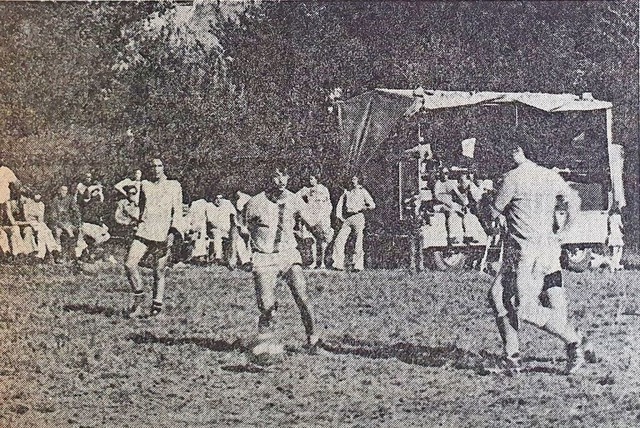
[
  {"x": 270, "y": 218},
  {"x": 528, "y": 197}
]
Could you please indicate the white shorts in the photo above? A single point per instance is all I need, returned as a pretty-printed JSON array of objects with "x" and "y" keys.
[
  {"x": 542, "y": 258},
  {"x": 281, "y": 262},
  {"x": 99, "y": 233}
]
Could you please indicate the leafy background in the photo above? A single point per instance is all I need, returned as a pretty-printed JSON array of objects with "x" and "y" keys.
[{"x": 220, "y": 89}]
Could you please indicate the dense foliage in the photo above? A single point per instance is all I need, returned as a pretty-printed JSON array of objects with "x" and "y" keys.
[{"x": 103, "y": 85}]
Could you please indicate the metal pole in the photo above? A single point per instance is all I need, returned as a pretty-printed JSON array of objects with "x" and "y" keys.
[{"x": 609, "y": 112}]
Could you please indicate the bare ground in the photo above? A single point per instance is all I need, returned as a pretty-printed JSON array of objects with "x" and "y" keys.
[{"x": 402, "y": 350}]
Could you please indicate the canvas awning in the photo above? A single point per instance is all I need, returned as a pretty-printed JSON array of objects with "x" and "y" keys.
[{"x": 367, "y": 120}]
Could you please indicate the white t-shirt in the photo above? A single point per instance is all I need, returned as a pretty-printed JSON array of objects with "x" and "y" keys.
[
  {"x": 6, "y": 178},
  {"x": 527, "y": 197},
  {"x": 220, "y": 216},
  {"x": 271, "y": 223},
  {"x": 161, "y": 204}
]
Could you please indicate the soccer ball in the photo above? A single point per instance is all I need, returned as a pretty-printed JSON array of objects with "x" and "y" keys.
[{"x": 266, "y": 353}]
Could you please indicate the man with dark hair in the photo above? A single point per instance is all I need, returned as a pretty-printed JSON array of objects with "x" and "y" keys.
[
  {"x": 160, "y": 212},
  {"x": 527, "y": 197},
  {"x": 127, "y": 210},
  {"x": 270, "y": 218},
  {"x": 350, "y": 211},
  {"x": 64, "y": 218},
  {"x": 93, "y": 226}
]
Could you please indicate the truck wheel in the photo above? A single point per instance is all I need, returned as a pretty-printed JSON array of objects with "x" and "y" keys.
[
  {"x": 448, "y": 259},
  {"x": 576, "y": 259}
]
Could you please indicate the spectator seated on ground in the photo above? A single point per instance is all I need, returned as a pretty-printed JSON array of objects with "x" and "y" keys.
[
  {"x": 94, "y": 230},
  {"x": 34, "y": 214},
  {"x": 19, "y": 233}
]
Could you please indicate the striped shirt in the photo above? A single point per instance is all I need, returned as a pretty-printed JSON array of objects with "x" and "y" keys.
[{"x": 271, "y": 223}]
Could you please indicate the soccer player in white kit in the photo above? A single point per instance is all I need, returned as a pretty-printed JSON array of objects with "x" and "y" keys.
[
  {"x": 270, "y": 218},
  {"x": 528, "y": 197},
  {"x": 160, "y": 212}
]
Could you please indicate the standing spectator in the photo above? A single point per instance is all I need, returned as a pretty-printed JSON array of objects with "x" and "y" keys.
[
  {"x": 240, "y": 253},
  {"x": 134, "y": 181},
  {"x": 615, "y": 238},
  {"x": 64, "y": 218},
  {"x": 221, "y": 215},
  {"x": 34, "y": 214},
  {"x": 528, "y": 197},
  {"x": 197, "y": 218},
  {"x": 160, "y": 212},
  {"x": 350, "y": 211},
  {"x": 318, "y": 200},
  {"x": 92, "y": 215}
]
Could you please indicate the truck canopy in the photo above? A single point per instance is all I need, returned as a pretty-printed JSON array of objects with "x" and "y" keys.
[{"x": 368, "y": 119}]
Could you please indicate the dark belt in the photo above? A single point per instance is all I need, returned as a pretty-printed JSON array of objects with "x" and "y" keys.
[{"x": 347, "y": 215}]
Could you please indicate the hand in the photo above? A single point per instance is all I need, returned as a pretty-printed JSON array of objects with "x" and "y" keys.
[{"x": 562, "y": 236}]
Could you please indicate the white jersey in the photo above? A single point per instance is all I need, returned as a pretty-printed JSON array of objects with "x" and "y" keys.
[
  {"x": 271, "y": 223},
  {"x": 161, "y": 209}
]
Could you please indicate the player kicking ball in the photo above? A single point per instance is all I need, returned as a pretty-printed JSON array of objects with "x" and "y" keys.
[{"x": 270, "y": 218}]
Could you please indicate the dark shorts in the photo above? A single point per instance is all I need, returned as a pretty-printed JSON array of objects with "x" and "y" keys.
[{"x": 155, "y": 248}]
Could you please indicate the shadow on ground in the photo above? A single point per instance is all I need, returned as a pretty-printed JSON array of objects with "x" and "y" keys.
[
  {"x": 482, "y": 363},
  {"x": 203, "y": 342},
  {"x": 92, "y": 309}
]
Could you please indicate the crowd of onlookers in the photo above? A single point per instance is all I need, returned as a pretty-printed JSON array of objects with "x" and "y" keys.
[
  {"x": 85, "y": 223},
  {"x": 76, "y": 224}
]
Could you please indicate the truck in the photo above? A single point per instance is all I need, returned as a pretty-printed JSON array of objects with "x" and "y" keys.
[{"x": 399, "y": 140}]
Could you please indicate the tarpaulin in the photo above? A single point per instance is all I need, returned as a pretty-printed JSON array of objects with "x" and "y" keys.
[{"x": 367, "y": 120}]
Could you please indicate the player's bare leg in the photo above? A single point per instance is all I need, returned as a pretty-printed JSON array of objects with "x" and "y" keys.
[
  {"x": 506, "y": 318},
  {"x": 551, "y": 320},
  {"x": 265, "y": 281},
  {"x": 298, "y": 286},
  {"x": 136, "y": 252},
  {"x": 314, "y": 252},
  {"x": 323, "y": 250},
  {"x": 159, "y": 277},
  {"x": 557, "y": 299}
]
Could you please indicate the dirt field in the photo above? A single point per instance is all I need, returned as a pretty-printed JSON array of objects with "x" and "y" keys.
[{"x": 404, "y": 350}]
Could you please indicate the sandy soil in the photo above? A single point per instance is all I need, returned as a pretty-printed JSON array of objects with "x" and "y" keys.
[{"x": 403, "y": 350}]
